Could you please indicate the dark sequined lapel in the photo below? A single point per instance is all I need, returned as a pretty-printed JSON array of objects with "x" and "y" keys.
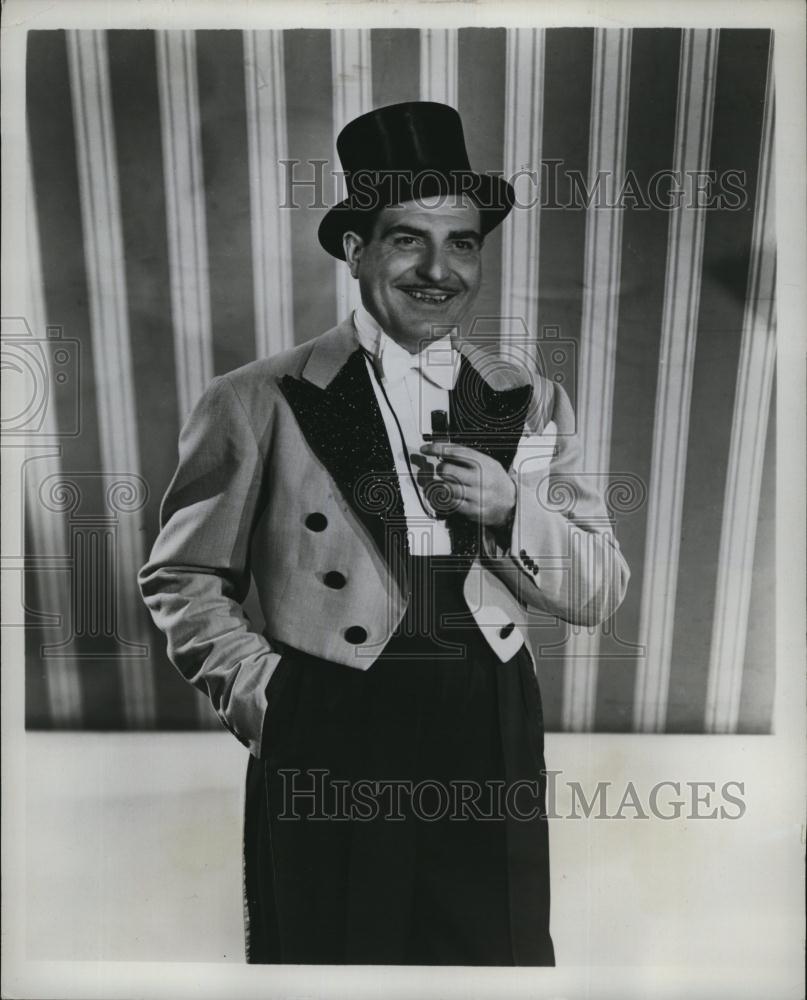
[
  {"x": 345, "y": 428},
  {"x": 488, "y": 420}
]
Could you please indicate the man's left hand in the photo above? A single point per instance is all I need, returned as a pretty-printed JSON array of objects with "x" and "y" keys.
[{"x": 480, "y": 488}]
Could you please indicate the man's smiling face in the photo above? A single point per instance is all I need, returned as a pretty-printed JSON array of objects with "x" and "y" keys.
[{"x": 421, "y": 270}]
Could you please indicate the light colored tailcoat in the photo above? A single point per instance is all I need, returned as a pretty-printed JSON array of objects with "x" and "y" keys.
[{"x": 285, "y": 475}]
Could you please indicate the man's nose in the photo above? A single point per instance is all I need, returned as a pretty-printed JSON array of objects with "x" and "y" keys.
[{"x": 433, "y": 265}]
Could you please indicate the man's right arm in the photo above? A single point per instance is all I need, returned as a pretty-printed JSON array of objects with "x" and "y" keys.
[{"x": 198, "y": 574}]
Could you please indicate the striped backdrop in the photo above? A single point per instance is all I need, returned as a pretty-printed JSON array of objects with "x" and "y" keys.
[{"x": 159, "y": 257}]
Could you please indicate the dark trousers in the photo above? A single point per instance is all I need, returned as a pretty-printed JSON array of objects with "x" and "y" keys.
[{"x": 380, "y": 822}]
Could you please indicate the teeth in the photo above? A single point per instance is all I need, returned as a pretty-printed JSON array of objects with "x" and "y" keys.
[{"x": 426, "y": 297}]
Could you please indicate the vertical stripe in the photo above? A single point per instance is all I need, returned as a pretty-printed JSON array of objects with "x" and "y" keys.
[
  {"x": 352, "y": 96},
  {"x": 48, "y": 531},
  {"x": 225, "y": 167},
  {"x": 482, "y": 76},
  {"x": 136, "y": 109},
  {"x": 268, "y": 146},
  {"x": 438, "y": 65},
  {"x": 671, "y": 423},
  {"x": 759, "y": 667},
  {"x": 746, "y": 452},
  {"x": 655, "y": 54},
  {"x": 38, "y": 704},
  {"x": 187, "y": 231},
  {"x": 103, "y": 245},
  {"x": 135, "y": 105},
  {"x": 309, "y": 114},
  {"x": 395, "y": 60},
  {"x": 568, "y": 57},
  {"x": 523, "y": 118},
  {"x": 186, "y": 220},
  {"x": 601, "y": 285}
]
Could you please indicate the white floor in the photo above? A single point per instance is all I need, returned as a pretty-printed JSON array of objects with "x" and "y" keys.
[{"x": 132, "y": 852}]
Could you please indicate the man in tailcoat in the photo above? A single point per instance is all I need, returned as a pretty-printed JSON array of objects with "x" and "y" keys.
[{"x": 406, "y": 505}]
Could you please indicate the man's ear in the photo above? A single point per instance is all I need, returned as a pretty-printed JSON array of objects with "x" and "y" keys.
[{"x": 352, "y": 244}]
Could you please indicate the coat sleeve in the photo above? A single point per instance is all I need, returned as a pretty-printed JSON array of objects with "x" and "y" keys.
[
  {"x": 198, "y": 572},
  {"x": 560, "y": 555}
]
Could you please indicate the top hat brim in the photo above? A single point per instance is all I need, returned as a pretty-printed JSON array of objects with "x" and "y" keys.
[{"x": 493, "y": 196}]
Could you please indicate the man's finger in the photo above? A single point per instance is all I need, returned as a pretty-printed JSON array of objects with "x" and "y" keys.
[
  {"x": 458, "y": 453},
  {"x": 455, "y": 472}
]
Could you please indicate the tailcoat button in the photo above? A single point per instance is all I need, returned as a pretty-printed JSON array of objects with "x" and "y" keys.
[
  {"x": 316, "y": 522},
  {"x": 334, "y": 579},
  {"x": 355, "y": 634}
]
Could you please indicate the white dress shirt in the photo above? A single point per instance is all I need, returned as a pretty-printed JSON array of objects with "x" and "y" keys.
[{"x": 415, "y": 384}]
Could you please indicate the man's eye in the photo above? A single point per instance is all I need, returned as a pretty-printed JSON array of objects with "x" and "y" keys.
[
  {"x": 464, "y": 245},
  {"x": 405, "y": 241}
]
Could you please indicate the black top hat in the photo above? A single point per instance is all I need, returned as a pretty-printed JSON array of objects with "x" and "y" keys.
[{"x": 401, "y": 153}]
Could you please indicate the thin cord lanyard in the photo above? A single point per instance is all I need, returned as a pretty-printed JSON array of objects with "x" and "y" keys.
[{"x": 404, "y": 445}]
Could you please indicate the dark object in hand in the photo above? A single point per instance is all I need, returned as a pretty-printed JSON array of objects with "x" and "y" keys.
[{"x": 439, "y": 430}]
